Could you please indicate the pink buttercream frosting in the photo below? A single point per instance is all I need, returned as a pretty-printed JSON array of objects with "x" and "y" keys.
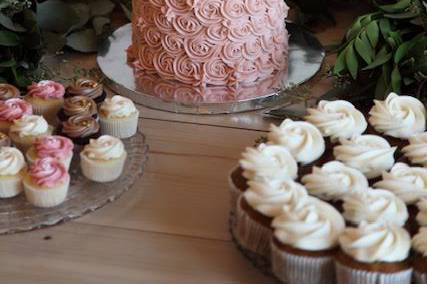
[
  {"x": 58, "y": 147},
  {"x": 48, "y": 172},
  {"x": 15, "y": 108},
  {"x": 46, "y": 90}
]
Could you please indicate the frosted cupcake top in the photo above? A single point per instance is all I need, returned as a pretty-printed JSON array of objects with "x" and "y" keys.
[
  {"x": 86, "y": 87},
  {"x": 310, "y": 224},
  {"x": 419, "y": 242},
  {"x": 334, "y": 181},
  {"x": 46, "y": 90},
  {"x": 48, "y": 172},
  {"x": 398, "y": 116},
  {"x": 302, "y": 139},
  {"x": 375, "y": 205},
  {"x": 58, "y": 147},
  {"x": 268, "y": 162},
  {"x": 379, "y": 242},
  {"x": 30, "y": 125},
  {"x": 79, "y": 126},
  {"x": 337, "y": 119},
  {"x": 407, "y": 183},
  {"x": 11, "y": 161},
  {"x": 104, "y": 148},
  {"x": 370, "y": 154},
  {"x": 416, "y": 151},
  {"x": 8, "y": 91},
  {"x": 15, "y": 108},
  {"x": 117, "y": 107},
  {"x": 422, "y": 214},
  {"x": 268, "y": 198},
  {"x": 79, "y": 105}
]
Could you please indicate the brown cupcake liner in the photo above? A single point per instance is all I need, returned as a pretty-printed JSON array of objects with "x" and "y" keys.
[{"x": 235, "y": 192}]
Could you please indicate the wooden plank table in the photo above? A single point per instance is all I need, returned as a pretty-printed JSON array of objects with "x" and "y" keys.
[{"x": 172, "y": 227}]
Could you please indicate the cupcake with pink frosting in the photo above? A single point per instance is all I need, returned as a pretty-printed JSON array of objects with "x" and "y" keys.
[
  {"x": 12, "y": 109},
  {"x": 47, "y": 98},
  {"x": 58, "y": 147},
  {"x": 46, "y": 183}
]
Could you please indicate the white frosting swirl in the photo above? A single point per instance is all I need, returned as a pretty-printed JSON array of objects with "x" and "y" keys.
[
  {"x": 104, "y": 148},
  {"x": 416, "y": 151},
  {"x": 337, "y": 119},
  {"x": 310, "y": 224},
  {"x": 407, "y": 183},
  {"x": 378, "y": 242},
  {"x": 30, "y": 125},
  {"x": 422, "y": 212},
  {"x": 370, "y": 154},
  {"x": 334, "y": 181},
  {"x": 302, "y": 139},
  {"x": 419, "y": 242},
  {"x": 117, "y": 107},
  {"x": 11, "y": 161},
  {"x": 268, "y": 198},
  {"x": 268, "y": 162},
  {"x": 373, "y": 206},
  {"x": 398, "y": 116}
]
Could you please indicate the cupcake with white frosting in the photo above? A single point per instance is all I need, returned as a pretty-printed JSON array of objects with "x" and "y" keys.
[
  {"x": 12, "y": 167},
  {"x": 118, "y": 117},
  {"x": 305, "y": 242},
  {"x": 27, "y": 129},
  {"x": 422, "y": 212},
  {"x": 419, "y": 246},
  {"x": 398, "y": 117},
  {"x": 374, "y": 253},
  {"x": 257, "y": 207},
  {"x": 370, "y": 154},
  {"x": 416, "y": 151},
  {"x": 103, "y": 159},
  {"x": 334, "y": 181},
  {"x": 337, "y": 119},
  {"x": 374, "y": 206}
]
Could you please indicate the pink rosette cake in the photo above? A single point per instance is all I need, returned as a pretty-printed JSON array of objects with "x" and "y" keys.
[
  {"x": 46, "y": 183},
  {"x": 209, "y": 42},
  {"x": 12, "y": 109},
  {"x": 58, "y": 147}
]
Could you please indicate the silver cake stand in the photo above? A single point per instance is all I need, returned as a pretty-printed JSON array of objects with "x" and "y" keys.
[{"x": 306, "y": 55}]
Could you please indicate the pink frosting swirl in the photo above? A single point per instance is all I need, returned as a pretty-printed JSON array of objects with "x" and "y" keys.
[
  {"x": 232, "y": 52},
  {"x": 278, "y": 58},
  {"x": 165, "y": 90},
  {"x": 217, "y": 33},
  {"x": 148, "y": 13},
  {"x": 258, "y": 25},
  {"x": 266, "y": 40},
  {"x": 187, "y": 25},
  {"x": 163, "y": 62},
  {"x": 255, "y": 7},
  {"x": 145, "y": 57},
  {"x": 15, "y": 108},
  {"x": 199, "y": 49},
  {"x": 157, "y": 3},
  {"x": 178, "y": 6},
  {"x": 162, "y": 23},
  {"x": 233, "y": 9},
  {"x": 58, "y": 147},
  {"x": 46, "y": 90},
  {"x": 208, "y": 12},
  {"x": 274, "y": 18},
  {"x": 186, "y": 70},
  {"x": 173, "y": 43},
  {"x": 241, "y": 32},
  {"x": 48, "y": 172},
  {"x": 217, "y": 72},
  {"x": 252, "y": 49},
  {"x": 247, "y": 71},
  {"x": 152, "y": 36}
]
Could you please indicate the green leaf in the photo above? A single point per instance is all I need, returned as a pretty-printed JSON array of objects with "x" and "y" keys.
[
  {"x": 396, "y": 79},
  {"x": 56, "y": 16},
  {"x": 84, "y": 41},
  {"x": 54, "y": 42},
  {"x": 6, "y": 22},
  {"x": 99, "y": 24},
  {"x": 83, "y": 10},
  {"x": 379, "y": 60},
  {"x": 351, "y": 61},
  {"x": 8, "y": 38},
  {"x": 8, "y": 63},
  {"x": 364, "y": 50},
  {"x": 339, "y": 64},
  {"x": 354, "y": 30},
  {"x": 373, "y": 33},
  {"x": 380, "y": 88},
  {"x": 396, "y": 7},
  {"x": 385, "y": 27},
  {"x": 402, "y": 51},
  {"x": 101, "y": 7},
  {"x": 403, "y": 15}
]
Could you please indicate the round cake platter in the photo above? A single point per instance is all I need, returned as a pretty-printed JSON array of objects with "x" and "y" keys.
[
  {"x": 306, "y": 56},
  {"x": 84, "y": 196}
]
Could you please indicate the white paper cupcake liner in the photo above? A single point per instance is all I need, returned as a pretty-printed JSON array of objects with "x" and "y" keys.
[
  {"x": 291, "y": 268},
  {"x": 250, "y": 234},
  {"x": 48, "y": 110},
  {"x": 420, "y": 278},
  {"x": 120, "y": 128},
  {"x": 11, "y": 186},
  {"x": 348, "y": 275},
  {"x": 102, "y": 171},
  {"x": 66, "y": 162},
  {"x": 48, "y": 197}
]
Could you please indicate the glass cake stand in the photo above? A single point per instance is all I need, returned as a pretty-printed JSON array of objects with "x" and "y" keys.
[
  {"x": 306, "y": 55},
  {"x": 84, "y": 196}
]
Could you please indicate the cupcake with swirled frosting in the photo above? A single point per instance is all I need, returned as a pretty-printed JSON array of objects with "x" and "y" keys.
[
  {"x": 88, "y": 88},
  {"x": 4, "y": 140},
  {"x": 78, "y": 105},
  {"x": 416, "y": 151},
  {"x": 305, "y": 241},
  {"x": 103, "y": 159},
  {"x": 80, "y": 129},
  {"x": 419, "y": 261},
  {"x": 337, "y": 119},
  {"x": 12, "y": 167},
  {"x": 118, "y": 117},
  {"x": 398, "y": 117},
  {"x": 8, "y": 91},
  {"x": 374, "y": 253},
  {"x": 257, "y": 207},
  {"x": 12, "y": 109},
  {"x": 46, "y": 183},
  {"x": 421, "y": 217},
  {"x": 370, "y": 154},
  {"x": 25, "y": 130}
]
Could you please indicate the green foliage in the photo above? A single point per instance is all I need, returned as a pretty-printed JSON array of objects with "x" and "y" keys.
[{"x": 388, "y": 48}]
